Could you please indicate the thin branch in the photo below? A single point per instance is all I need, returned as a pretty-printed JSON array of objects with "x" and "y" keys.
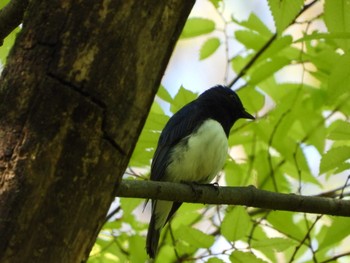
[
  {"x": 247, "y": 196},
  {"x": 11, "y": 16},
  {"x": 111, "y": 214},
  {"x": 334, "y": 192},
  {"x": 345, "y": 185},
  {"x": 306, "y": 237},
  {"x": 333, "y": 259},
  {"x": 252, "y": 61}
]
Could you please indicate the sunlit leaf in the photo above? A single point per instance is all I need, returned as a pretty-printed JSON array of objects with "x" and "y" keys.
[
  {"x": 267, "y": 69},
  {"x": 317, "y": 35},
  {"x": 236, "y": 224},
  {"x": 252, "y": 99},
  {"x": 215, "y": 260},
  {"x": 276, "y": 47},
  {"x": 194, "y": 237},
  {"x": 336, "y": 232},
  {"x": 244, "y": 257},
  {"x": 250, "y": 39},
  {"x": 7, "y": 45},
  {"x": 284, "y": 12},
  {"x": 215, "y": 3},
  {"x": 137, "y": 251},
  {"x": 339, "y": 80},
  {"x": 340, "y": 131},
  {"x": 196, "y": 26},
  {"x": 164, "y": 94},
  {"x": 183, "y": 97},
  {"x": 284, "y": 223},
  {"x": 254, "y": 23},
  {"x": 336, "y": 17},
  {"x": 278, "y": 244},
  {"x": 334, "y": 157},
  {"x": 209, "y": 47}
]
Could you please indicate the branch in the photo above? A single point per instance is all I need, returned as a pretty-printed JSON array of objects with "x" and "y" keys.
[
  {"x": 247, "y": 196},
  {"x": 11, "y": 16},
  {"x": 252, "y": 60}
]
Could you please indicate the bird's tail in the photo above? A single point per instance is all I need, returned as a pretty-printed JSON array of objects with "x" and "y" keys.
[{"x": 152, "y": 238}]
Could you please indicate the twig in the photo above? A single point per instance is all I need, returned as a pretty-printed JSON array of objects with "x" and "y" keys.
[
  {"x": 252, "y": 61},
  {"x": 306, "y": 237}
]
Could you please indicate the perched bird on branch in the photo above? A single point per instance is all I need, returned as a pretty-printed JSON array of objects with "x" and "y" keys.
[{"x": 192, "y": 148}]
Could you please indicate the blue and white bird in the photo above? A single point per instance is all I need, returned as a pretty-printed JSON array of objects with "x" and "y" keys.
[{"x": 192, "y": 148}]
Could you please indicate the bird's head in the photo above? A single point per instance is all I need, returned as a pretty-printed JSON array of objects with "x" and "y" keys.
[{"x": 225, "y": 105}]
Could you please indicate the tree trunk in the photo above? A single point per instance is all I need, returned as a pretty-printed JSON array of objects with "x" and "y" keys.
[{"x": 74, "y": 96}]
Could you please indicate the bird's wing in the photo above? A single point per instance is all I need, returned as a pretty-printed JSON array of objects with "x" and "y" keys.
[{"x": 180, "y": 125}]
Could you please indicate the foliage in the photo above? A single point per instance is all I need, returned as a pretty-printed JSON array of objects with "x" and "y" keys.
[{"x": 300, "y": 141}]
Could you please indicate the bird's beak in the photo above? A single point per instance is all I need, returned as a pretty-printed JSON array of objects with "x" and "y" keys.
[{"x": 246, "y": 115}]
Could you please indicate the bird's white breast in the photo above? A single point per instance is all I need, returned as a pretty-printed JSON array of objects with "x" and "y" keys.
[{"x": 201, "y": 158}]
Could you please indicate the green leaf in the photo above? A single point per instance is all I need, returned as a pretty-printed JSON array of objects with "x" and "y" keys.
[
  {"x": 235, "y": 174},
  {"x": 164, "y": 94},
  {"x": 137, "y": 249},
  {"x": 215, "y": 3},
  {"x": 336, "y": 18},
  {"x": 338, "y": 230},
  {"x": 183, "y": 97},
  {"x": 252, "y": 100},
  {"x": 284, "y": 12},
  {"x": 342, "y": 167},
  {"x": 194, "y": 237},
  {"x": 334, "y": 157},
  {"x": 254, "y": 23},
  {"x": 147, "y": 141},
  {"x": 268, "y": 68},
  {"x": 340, "y": 131},
  {"x": 244, "y": 257},
  {"x": 278, "y": 244},
  {"x": 166, "y": 253},
  {"x": 9, "y": 40},
  {"x": 276, "y": 47},
  {"x": 7, "y": 45},
  {"x": 3, "y": 3},
  {"x": 238, "y": 62},
  {"x": 187, "y": 215},
  {"x": 197, "y": 26},
  {"x": 317, "y": 35},
  {"x": 209, "y": 47},
  {"x": 215, "y": 260},
  {"x": 129, "y": 204},
  {"x": 339, "y": 80},
  {"x": 284, "y": 223},
  {"x": 236, "y": 224},
  {"x": 250, "y": 39}
]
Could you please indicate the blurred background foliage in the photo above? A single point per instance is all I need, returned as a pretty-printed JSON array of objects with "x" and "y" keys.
[{"x": 293, "y": 75}]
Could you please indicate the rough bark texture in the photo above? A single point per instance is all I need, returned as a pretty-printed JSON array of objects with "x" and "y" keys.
[{"x": 73, "y": 98}]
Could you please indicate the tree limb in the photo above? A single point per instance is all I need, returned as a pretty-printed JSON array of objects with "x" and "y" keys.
[
  {"x": 247, "y": 196},
  {"x": 11, "y": 16}
]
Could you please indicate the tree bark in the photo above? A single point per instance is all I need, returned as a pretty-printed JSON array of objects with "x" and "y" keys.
[{"x": 74, "y": 96}]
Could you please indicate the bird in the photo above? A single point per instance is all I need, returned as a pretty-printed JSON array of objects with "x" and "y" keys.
[{"x": 192, "y": 148}]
